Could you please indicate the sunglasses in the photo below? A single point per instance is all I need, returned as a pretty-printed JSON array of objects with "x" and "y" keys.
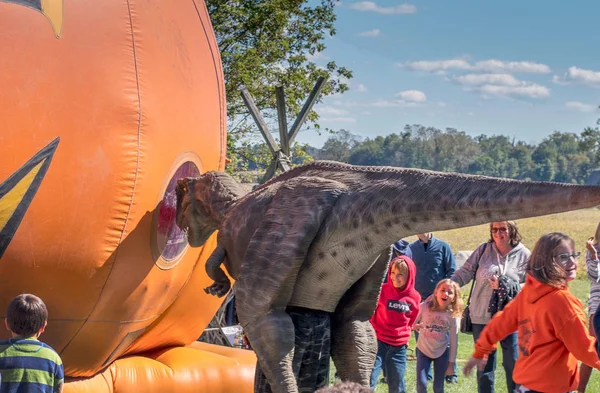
[
  {"x": 502, "y": 230},
  {"x": 566, "y": 257}
]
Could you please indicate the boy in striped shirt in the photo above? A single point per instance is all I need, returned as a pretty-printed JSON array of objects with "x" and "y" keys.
[{"x": 27, "y": 364}]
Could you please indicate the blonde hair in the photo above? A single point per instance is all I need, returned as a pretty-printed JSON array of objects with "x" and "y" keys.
[
  {"x": 456, "y": 307},
  {"x": 400, "y": 264},
  {"x": 541, "y": 264}
]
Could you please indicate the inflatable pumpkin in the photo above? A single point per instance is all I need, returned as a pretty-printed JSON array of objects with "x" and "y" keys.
[{"x": 103, "y": 106}]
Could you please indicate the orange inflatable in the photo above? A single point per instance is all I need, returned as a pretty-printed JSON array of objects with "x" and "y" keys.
[{"x": 103, "y": 106}]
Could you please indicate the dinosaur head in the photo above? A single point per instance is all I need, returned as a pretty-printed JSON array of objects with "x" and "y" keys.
[{"x": 202, "y": 203}]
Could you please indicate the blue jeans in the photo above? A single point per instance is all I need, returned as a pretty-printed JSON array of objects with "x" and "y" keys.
[
  {"x": 510, "y": 353},
  {"x": 429, "y": 375},
  {"x": 439, "y": 371},
  {"x": 393, "y": 359}
]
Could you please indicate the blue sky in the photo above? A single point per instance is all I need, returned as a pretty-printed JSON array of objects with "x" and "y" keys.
[{"x": 517, "y": 68}]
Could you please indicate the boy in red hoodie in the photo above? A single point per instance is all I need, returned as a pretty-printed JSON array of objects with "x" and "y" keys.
[{"x": 396, "y": 312}]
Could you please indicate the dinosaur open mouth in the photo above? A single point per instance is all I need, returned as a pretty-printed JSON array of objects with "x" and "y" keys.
[{"x": 171, "y": 238}]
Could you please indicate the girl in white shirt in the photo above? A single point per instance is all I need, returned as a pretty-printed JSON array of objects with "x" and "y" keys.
[{"x": 438, "y": 323}]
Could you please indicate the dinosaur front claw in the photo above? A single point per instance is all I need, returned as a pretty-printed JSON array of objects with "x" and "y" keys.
[{"x": 218, "y": 289}]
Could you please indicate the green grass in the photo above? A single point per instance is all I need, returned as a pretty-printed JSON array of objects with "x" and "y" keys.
[{"x": 578, "y": 224}]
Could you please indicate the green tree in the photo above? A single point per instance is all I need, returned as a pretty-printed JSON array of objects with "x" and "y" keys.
[
  {"x": 265, "y": 43},
  {"x": 339, "y": 146}
]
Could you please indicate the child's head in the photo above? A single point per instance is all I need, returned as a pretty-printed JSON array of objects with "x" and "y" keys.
[
  {"x": 399, "y": 272},
  {"x": 26, "y": 316},
  {"x": 553, "y": 260},
  {"x": 446, "y": 296}
]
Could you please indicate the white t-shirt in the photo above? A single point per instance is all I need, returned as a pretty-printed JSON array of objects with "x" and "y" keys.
[{"x": 439, "y": 331}]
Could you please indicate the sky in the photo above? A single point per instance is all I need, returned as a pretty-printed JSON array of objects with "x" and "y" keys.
[{"x": 519, "y": 68}]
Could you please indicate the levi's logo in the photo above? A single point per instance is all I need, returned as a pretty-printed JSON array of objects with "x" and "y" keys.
[{"x": 398, "y": 306}]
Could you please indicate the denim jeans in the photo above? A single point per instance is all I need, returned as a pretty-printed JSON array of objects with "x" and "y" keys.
[
  {"x": 439, "y": 371},
  {"x": 429, "y": 374},
  {"x": 510, "y": 353},
  {"x": 393, "y": 359}
]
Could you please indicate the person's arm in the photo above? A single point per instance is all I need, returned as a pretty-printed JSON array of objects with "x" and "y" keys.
[
  {"x": 454, "y": 327},
  {"x": 465, "y": 274},
  {"x": 501, "y": 325},
  {"x": 449, "y": 262},
  {"x": 591, "y": 260},
  {"x": 576, "y": 337},
  {"x": 417, "y": 325},
  {"x": 59, "y": 377}
]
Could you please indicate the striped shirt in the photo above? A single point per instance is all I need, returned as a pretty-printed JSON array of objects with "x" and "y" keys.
[
  {"x": 592, "y": 272},
  {"x": 29, "y": 365}
]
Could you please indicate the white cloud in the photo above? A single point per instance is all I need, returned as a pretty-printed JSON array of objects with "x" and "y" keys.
[
  {"x": 329, "y": 110},
  {"x": 442, "y": 104},
  {"x": 580, "y": 106},
  {"x": 361, "y": 88},
  {"x": 486, "y": 79},
  {"x": 436, "y": 66},
  {"x": 490, "y": 66},
  {"x": 370, "y": 6},
  {"x": 579, "y": 76},
  {"x": 500, "y": 85},
  {"x": 412, "y": 96},
  {"x": 339, "y": 119},
  {"x": 316, "y": 56},
  {"x": 530, "y": 90},
  {"x": 370, "y": 33}
]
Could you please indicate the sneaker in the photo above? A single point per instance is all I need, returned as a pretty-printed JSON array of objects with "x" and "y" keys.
[{"x": 451, "y": 379}]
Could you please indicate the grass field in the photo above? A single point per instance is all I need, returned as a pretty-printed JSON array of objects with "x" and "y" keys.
[{"x": 579, "y": 225}]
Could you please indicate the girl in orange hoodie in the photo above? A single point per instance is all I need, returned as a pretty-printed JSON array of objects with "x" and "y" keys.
[{"x": 550, "y": 321}]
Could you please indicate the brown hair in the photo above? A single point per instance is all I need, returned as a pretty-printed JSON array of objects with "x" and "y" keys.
[
  {"x": 597, "y": 236},
  {"x": 26, "y": 315},
  {"x": 513, "y": 232},
  {"x": 457, "y": 306},
  {"x": 400, "y": 265},
  {"x": 541, "y": 263}
]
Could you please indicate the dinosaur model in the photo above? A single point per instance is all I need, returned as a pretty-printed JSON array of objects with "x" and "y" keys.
[{"x": 317, "y": 238}]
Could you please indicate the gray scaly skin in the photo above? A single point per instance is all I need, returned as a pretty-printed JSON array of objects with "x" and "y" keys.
[{"x": 318, "y": 237}]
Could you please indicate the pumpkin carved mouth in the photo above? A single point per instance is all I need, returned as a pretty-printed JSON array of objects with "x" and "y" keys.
[{"x": 17, "y": 192}]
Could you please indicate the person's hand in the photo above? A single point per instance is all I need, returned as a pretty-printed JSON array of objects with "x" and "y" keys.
[
  {"x": 494, "y": 282},
  {"x": 417, "y": 327},
  {"x": 589, "y": 244},
  {"x": 472, "y": 362},
  {"x": 450, "y": 369}
]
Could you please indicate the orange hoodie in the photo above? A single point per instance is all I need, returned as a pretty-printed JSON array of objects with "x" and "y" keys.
[{"x": 552, "y": 337}]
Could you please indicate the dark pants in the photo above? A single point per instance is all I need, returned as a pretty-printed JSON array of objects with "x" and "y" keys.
[
  {"x": 393, "y": 359},
  {"x": 439, "y": 371},
  {"x": 312, "y": 350},
  {"x": 429, "y": 375},
  {"x": 510, "y": 353}
]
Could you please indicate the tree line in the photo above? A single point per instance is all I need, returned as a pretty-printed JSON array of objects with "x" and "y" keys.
[{"x": 561, "y": 157}]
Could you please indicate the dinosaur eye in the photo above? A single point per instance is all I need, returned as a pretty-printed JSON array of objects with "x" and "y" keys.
[{"x": 170, "y": 240}]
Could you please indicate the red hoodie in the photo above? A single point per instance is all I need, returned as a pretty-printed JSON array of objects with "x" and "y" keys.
[{"x": 397, "y": 309}]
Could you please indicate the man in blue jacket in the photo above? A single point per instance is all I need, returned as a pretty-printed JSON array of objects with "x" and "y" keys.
[{"x": 434, "y": 261}]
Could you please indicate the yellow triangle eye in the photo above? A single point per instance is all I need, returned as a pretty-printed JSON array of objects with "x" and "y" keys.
[{"x": 10, "y": 201}]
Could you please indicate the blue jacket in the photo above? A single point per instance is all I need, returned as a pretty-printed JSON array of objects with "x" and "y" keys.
[{"x": 434, "y": 262}]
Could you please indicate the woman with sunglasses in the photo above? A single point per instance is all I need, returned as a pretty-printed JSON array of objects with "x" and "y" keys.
[
  {"x": 502, "y": 258},
  {"x": 551, "y": 322}
]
